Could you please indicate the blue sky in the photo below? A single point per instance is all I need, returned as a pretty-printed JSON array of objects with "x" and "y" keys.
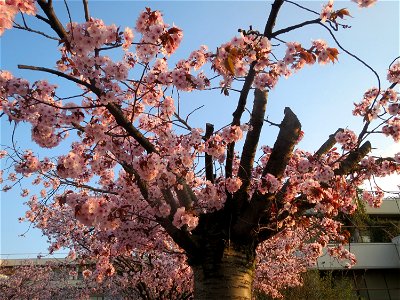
[{"x": 321, "y": 96}]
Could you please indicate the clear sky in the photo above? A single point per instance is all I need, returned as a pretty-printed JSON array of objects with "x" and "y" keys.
[{"x": 321, "y": 96}]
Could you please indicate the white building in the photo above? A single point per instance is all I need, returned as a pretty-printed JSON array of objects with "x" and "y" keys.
[{"x": 376, "y": 275}]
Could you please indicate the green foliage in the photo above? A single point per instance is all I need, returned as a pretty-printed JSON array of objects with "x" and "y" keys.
[
  {"x": 379, "y": 230},
  {"x": 318, "y": 286}
]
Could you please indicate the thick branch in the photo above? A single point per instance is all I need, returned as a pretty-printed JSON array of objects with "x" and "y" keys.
[
  {"x": 124, "y": 123},
  {"x": 330, "y": 142},
  {"x": 208, "y": 158},
  {"x": 185, "y": 195},
  {"x": 351, "y": 161},
  {"x": 169, "y": 198},
  {"x": 325, "y": 147},
  {"x": 237, "y": 115},
  {"x": 180, "y": 237},
  {"x": 288, "y": 136},
  {"x": 139, "y": 182},
  {"x": 250, "y": 144},
  {"x": 86, "y": 9},
  {"x": 42, "y": 19},
  {"x": 276, "y": 6},
  {"x": 47, "y": 8}
]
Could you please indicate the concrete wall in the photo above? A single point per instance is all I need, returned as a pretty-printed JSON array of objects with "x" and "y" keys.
[
  {"x": 388, "y": 207},
  {"x": 369, "y": 256}
]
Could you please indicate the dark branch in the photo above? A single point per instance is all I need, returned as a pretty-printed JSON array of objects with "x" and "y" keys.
[
  {"x": 124, "y": 123},
  {"x": 35, "y": 31},
  {"x": 288, "y": 136},
  {"x": 290, "y": 28},
  {"x": 86, "y": 8},
  {"x": 302, "y": 7},
  {"x": 250, "y": 145},
  {"x": 237, "y": 115},
  {"x": 208, "y": 158},
  {"x": 330, "y": 142},
  {"x": 352, "y": 55},
  {"x": 58, "y": 73},
  {"x": 349, "y": 164},
  {"x": 180, "y": 237},
  {"x": 47, "y": 8},
  {"x": 42, "y": 19},
  {"x": 185, "y": 195},
  {"x": 272, "y": 18}
]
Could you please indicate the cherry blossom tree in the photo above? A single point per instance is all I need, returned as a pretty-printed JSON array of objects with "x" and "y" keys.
[
  {"x": 195, "y": 209},
  {"x": 40, "y": 281}
]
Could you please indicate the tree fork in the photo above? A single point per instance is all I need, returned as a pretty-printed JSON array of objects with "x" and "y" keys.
[
  {"x": 289, "y": 133},
  {"x": 237, "y": 114},
  {"x": 250, "y": 146}
]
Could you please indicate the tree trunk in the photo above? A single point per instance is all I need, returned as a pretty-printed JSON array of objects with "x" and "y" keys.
[{"x": 230, "y": 277}]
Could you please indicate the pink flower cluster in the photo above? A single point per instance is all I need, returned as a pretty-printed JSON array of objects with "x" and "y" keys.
[
  {"x": 392, "y": 129},
  {"x": 9, "y": 8},
  {"x": 85, "y": 37},
  {"x": 269, "y": 184},
  {"x": 71, "y": 165},
  {"x": 374, "y": 199},
  {"x": 28, "y": 165},
  {"x": 180, "y": 76},
  {"x": 156, "y": 36},
  {"x": 394, "y": 72},
  {"x": 93, "y": 211},
  {"x": 347, "y": 138},
  {"x": 326, "y": 11},
  {"x": 233, "y": 184},
  {"x": 182, "y": 218},
  {"x": 385, "y": 105},
  {"x": 296, "y": 58},
  {"x": 128, "y": 38},
  {"x": 364, "y": 3},
  {"x": 233, "y": 58},
  {"x": 216, "y": 145}
]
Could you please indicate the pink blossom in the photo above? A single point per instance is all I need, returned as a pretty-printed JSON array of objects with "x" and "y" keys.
[
  {"x": 233, "y": 184},
  {"x": 269, "y": 184},
  {"x": 347, "y": 138},
  {"x": 128, "y": 36},
  {"x": 326, "y": 11},
  {"x": 365, "y": 3},
  {"x": 394, "y": 72}
]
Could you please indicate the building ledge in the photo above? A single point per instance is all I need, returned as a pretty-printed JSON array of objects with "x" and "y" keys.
[{"x": 369, "y": 256}]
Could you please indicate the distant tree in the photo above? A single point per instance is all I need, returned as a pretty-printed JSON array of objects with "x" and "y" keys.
[
  {"x": 138, "y": 181},
  {"x": 39, "y": 282},
  {"x": 316, "y": 287}
]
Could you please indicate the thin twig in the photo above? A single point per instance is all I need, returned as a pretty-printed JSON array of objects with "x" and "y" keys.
[
  {"x": 17, "y": 26},
  {"x": 58, "y": 73},
  {"x": 290, "y": 28}
]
